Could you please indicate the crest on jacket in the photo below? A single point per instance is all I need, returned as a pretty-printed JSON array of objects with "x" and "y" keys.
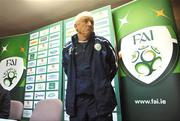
[
  {"x": 148, "y": 53},
  {"x": 11, "y": 72},
  {"x": 97, "y": 46}
]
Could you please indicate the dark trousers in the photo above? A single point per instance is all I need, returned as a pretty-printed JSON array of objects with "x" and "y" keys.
[{"x": 86, "y": 110}]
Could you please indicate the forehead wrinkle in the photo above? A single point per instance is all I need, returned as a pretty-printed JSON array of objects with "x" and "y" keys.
[{"x": 84, "y": 18}]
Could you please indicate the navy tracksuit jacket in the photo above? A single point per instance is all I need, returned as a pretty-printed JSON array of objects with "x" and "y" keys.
[{"x": 103, "y": 70}]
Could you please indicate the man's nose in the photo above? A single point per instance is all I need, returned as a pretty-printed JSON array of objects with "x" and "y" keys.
[{"x": 89, "y": 23}]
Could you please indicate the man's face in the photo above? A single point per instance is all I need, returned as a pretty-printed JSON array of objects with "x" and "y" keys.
[{"x": 85, "y": 26}]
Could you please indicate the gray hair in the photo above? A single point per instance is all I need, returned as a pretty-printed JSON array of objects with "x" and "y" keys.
[{"x": 85, "y": 13}]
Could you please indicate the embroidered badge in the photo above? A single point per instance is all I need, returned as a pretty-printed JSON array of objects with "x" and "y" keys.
[{"x": 97, "y": 46}]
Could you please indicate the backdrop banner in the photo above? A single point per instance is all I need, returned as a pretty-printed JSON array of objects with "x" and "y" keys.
[
  {"x": 150, "y": 66},
  {"x": 13, "y": 56}
]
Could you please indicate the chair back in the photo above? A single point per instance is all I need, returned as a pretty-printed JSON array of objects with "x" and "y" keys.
[
  {"x": 47, "y": 110},
  {"x": 16, "y": 110}
]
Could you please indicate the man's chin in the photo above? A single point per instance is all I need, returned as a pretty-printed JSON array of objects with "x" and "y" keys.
[{"x": 87, "y": 34}]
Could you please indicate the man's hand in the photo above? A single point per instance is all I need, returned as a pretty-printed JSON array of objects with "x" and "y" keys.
[{"x": 119, "y": 54}]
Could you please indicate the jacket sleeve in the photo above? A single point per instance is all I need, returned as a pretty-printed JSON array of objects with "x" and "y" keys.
[
  {"x": 64, "y": 60},
  {"x": 5, "y": 105},
  {"x": 112, "y": 60}
]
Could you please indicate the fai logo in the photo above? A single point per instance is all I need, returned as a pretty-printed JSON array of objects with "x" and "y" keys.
[
  {"x": 149, "y": 53},
  {"x": 97, "y": 46},
  {"x": 11, "y": 72}
]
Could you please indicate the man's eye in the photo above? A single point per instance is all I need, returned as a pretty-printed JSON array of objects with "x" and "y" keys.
[
  {"x": 90, "y": 21},
  {"x": 85, "y": 20}
]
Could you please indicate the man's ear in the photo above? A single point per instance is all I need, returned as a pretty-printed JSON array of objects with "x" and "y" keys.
[{"x": 75, "y": 26}]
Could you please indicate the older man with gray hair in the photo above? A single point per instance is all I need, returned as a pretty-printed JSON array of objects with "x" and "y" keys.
[{"x": 89, "y": 62}]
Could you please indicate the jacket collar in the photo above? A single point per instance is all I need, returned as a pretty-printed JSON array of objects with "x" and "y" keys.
[{"x": 75, "y": 38}]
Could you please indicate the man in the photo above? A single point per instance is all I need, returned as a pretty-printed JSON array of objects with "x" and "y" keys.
[
  {"x": 4, "y": 103},
  {"x": 90, "y": 64}
]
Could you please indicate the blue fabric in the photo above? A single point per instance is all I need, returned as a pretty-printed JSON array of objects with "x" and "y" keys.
[
  {"x": 103, "y": 69},
  {"x": 83, "y": 69},
  {"x": 86, "y": 110}
]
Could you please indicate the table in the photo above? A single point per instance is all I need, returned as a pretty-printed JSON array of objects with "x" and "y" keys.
[{"x": 1, "y": 119}]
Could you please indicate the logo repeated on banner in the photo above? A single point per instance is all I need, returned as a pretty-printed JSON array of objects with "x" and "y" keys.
[
  {"x": 32, "y": 56},
  {"x": 44, "y": 32},
  {"x": 30, "y": 79},
  {"x": 33, "y": 42},
  {"x": 42, "y": 61},
  {"x": 54, "y": 36},
  {"x": 43, "y": 46},
  {"x": 34, "y": 35},
  {"x": 33, "y": 49},
  {"x": 53, "y": 68},
  {"x": 11, "y": 71},
  {"x": 28, "y": 96},
  {"x": 30, "y": 71},
  {"x": 52, "y": 95},
  {"x": 41, "y": 69},
  {"x": 42, "y": 54},
  {"x": 32, "y": 63},
  {"x": 39, "y": 95},
  {"x": 54, "y": 44},
  {"x": 54, "y": 51},
  {"x": 27, "y": 113},
  {"x": 43, "y": 39},
  {"x": 53, "y": 59},
  {"x": 146, "y": 58},
  {"x": 52, "y": 76},
  {"x": 28, "y": 104},
  {"x": 103, "y": 32},
  {"x": 52, "y": 86},
  {"x": 39, "y": 86},
  {"x": 55, "y": 29},
  {"x": 42, "y": 77},
  {"x": 29, "y": 87},
  {"x": 101, "y": 23}
]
